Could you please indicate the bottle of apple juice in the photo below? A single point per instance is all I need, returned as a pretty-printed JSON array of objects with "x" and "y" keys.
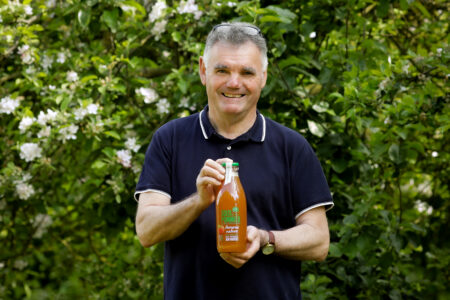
[{"x": 231, "y": 212}]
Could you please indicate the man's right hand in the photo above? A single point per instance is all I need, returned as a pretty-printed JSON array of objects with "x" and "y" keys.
[{"x": 209, "y": 179}]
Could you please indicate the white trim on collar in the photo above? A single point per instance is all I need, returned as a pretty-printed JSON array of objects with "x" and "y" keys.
[
  {"x": 264, "y": 128},
  {"x": 201, "y": 125},
  {"x": 263, "y": 137}
]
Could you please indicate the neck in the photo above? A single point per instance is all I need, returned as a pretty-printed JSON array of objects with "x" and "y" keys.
[{"x": 231, "y": 126}]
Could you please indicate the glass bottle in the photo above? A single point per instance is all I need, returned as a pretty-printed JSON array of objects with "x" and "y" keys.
[{"x": 231, "y": 212}]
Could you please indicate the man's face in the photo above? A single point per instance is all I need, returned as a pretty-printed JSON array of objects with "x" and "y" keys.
[{"x": 234, "y": 78}]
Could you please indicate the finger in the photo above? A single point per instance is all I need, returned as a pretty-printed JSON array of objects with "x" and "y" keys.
[
  {"x": 252, "y": 233},
  {"x": 203, "y": 181},
  {"x": 233, "y": 260},
  {"x": 221, "y": 161},
  {"x": 216, "y": 164},
  {"x": 211, "y": 172}
]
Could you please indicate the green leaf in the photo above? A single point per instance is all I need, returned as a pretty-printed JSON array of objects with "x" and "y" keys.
[
  {"x": 98, "y": 164},
  {"x": 65, "y": 103},
  {"x": 109, "y": 152},
  {"x": 335, "y": 251},
  {"x": 84, "y": 17},
  {"x": 339, "y": 165},
  {"x": 394, "y": 153},
  {"x": 176, "y": 36},
  {"x": 292, "y": 60},
  {"x": 316, "y": 128},
  {"x": 113, "y": 134},
  {"x": 285, "y": 14},
  {"x": 88, "y": 78},
  {"x": 110, "y": 18},
  {"x": 133, "y": 8},
  {"x": 268, "y": 19},
  {"x": 383, "y": 8}
]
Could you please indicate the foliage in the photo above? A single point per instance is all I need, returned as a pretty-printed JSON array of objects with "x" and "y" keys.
[{"x": 84, "y": 84}]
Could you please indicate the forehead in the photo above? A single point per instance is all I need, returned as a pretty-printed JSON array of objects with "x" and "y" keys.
[{"x": 227, "y": 54}]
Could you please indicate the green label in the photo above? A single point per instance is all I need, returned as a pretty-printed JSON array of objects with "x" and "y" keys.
[{"x": 231, "y": 216}]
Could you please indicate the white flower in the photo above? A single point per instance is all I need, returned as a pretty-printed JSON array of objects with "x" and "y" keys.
[
  {"x": 28, "y": 10},
  {"x": 163, "y": 106},
  {"x": 130, "y": 144},
  {"x": 389, "y": 60},
  {"x": 44, "y": 132},
  {"x": 189, "y": 7},
  {"x": 30, "y": 151},
  {"x": 8, "y": 105},
  {"x": 47, "y": 62},
  {"x": 24, "y": 190},
  {"x": 382, "y": 86},
  {"x": 102, "y": 68},
  {"x": 42, "y": 222},
  {"x": 92, "y": 109},
  {"x": 44, "y": 118},
  {"x": 50, "y": 3},
  {"x": 61, "y": 58},
  {"x": 124, "y": 157},
  {"x": 51, "y": 87},
  {"x": 231, "y": 4},
  {"x": 166, "y": 53},
  {"x": 20, "y": 264},
  {"x": 312, "y": 35},
  {"x": 26, "y": 54},
  {"x": 68, "y": 133},
  {"x": 435, "y": 154},
  {"x": 424, "y": 207},
  {"x": 25, "y": 123},
  {"x": 184, "y": 102},
  {"x": 80, "y": 113},
  {"x": 72, "y": 76},
  {"x": 23, "y": 49},
  {"x": 159, "y": 28},
  {"x": 157, "y": 11},
  {"x": 149, "y": 94}
]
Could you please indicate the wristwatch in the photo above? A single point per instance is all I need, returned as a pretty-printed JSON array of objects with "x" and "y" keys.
[{"x": 269, "y": 248}]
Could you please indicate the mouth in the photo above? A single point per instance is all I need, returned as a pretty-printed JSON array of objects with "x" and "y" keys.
[{"x": 233, "y": 96}]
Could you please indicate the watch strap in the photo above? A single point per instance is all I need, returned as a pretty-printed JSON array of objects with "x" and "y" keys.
[{"x": 271, "y": 238}]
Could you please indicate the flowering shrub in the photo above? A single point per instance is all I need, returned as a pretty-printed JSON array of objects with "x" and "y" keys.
[{"x": 84, "y": 85}]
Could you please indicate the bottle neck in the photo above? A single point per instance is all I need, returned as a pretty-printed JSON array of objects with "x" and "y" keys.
[{"x": 231, "y": 171}]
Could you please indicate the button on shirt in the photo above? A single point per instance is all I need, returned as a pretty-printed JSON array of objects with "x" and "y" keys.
[{"x": 282, "y": 179}]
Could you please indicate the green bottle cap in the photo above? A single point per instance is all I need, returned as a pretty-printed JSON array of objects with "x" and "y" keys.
[{"x": 235, "y": 164}]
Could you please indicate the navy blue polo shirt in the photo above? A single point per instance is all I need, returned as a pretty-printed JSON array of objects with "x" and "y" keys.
[{"x": 282, "y": 179}]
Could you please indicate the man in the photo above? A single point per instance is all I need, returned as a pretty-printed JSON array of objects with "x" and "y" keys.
[{"x": 285, "y": 187}]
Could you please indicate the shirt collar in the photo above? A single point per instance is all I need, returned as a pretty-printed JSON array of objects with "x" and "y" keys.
[{"x": 256, "y": 133}]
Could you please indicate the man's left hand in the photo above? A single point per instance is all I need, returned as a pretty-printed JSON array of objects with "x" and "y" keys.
[{"x": 237, "y": 260}]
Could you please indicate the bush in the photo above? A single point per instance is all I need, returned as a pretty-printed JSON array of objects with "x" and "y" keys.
[{"x": 84, "y": 85}]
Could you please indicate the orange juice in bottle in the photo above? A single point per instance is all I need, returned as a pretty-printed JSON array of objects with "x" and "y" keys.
[{"x": 231, "y": 212}]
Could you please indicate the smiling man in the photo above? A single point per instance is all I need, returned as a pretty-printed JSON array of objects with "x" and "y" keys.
[{"x": 286, "y": 190}]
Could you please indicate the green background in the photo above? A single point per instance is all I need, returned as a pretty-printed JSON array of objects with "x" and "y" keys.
[{"x": 366, "y": 82}]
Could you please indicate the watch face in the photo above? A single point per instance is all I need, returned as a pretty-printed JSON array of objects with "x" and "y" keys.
[{"x": 268, "y": 249}]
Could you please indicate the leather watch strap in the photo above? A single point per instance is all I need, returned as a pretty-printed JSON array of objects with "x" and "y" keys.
[{"x": 271, "y": 238}]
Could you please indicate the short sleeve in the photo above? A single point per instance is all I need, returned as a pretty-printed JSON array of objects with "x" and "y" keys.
[
  {"x": 310, "y": 187},
  {"x": 155, "y": 175}
]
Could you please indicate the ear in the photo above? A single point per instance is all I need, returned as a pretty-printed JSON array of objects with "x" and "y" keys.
[
  {"x": 202, "y": 70},
  {"x": 264, "y": 79}
]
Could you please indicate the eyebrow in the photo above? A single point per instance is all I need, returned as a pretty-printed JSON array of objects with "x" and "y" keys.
[{"x": 245, "y": 69}]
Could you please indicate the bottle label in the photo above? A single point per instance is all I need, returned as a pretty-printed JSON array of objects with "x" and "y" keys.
[
  {"x": 230, "y": 222},
  {"x": 228, "y": 171}
]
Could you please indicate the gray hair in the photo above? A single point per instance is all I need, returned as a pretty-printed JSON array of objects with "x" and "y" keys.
[{"x": 237, "y": 33}]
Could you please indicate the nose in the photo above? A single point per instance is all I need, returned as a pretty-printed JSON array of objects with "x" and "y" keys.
[{"x": 234, "y": 81}]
